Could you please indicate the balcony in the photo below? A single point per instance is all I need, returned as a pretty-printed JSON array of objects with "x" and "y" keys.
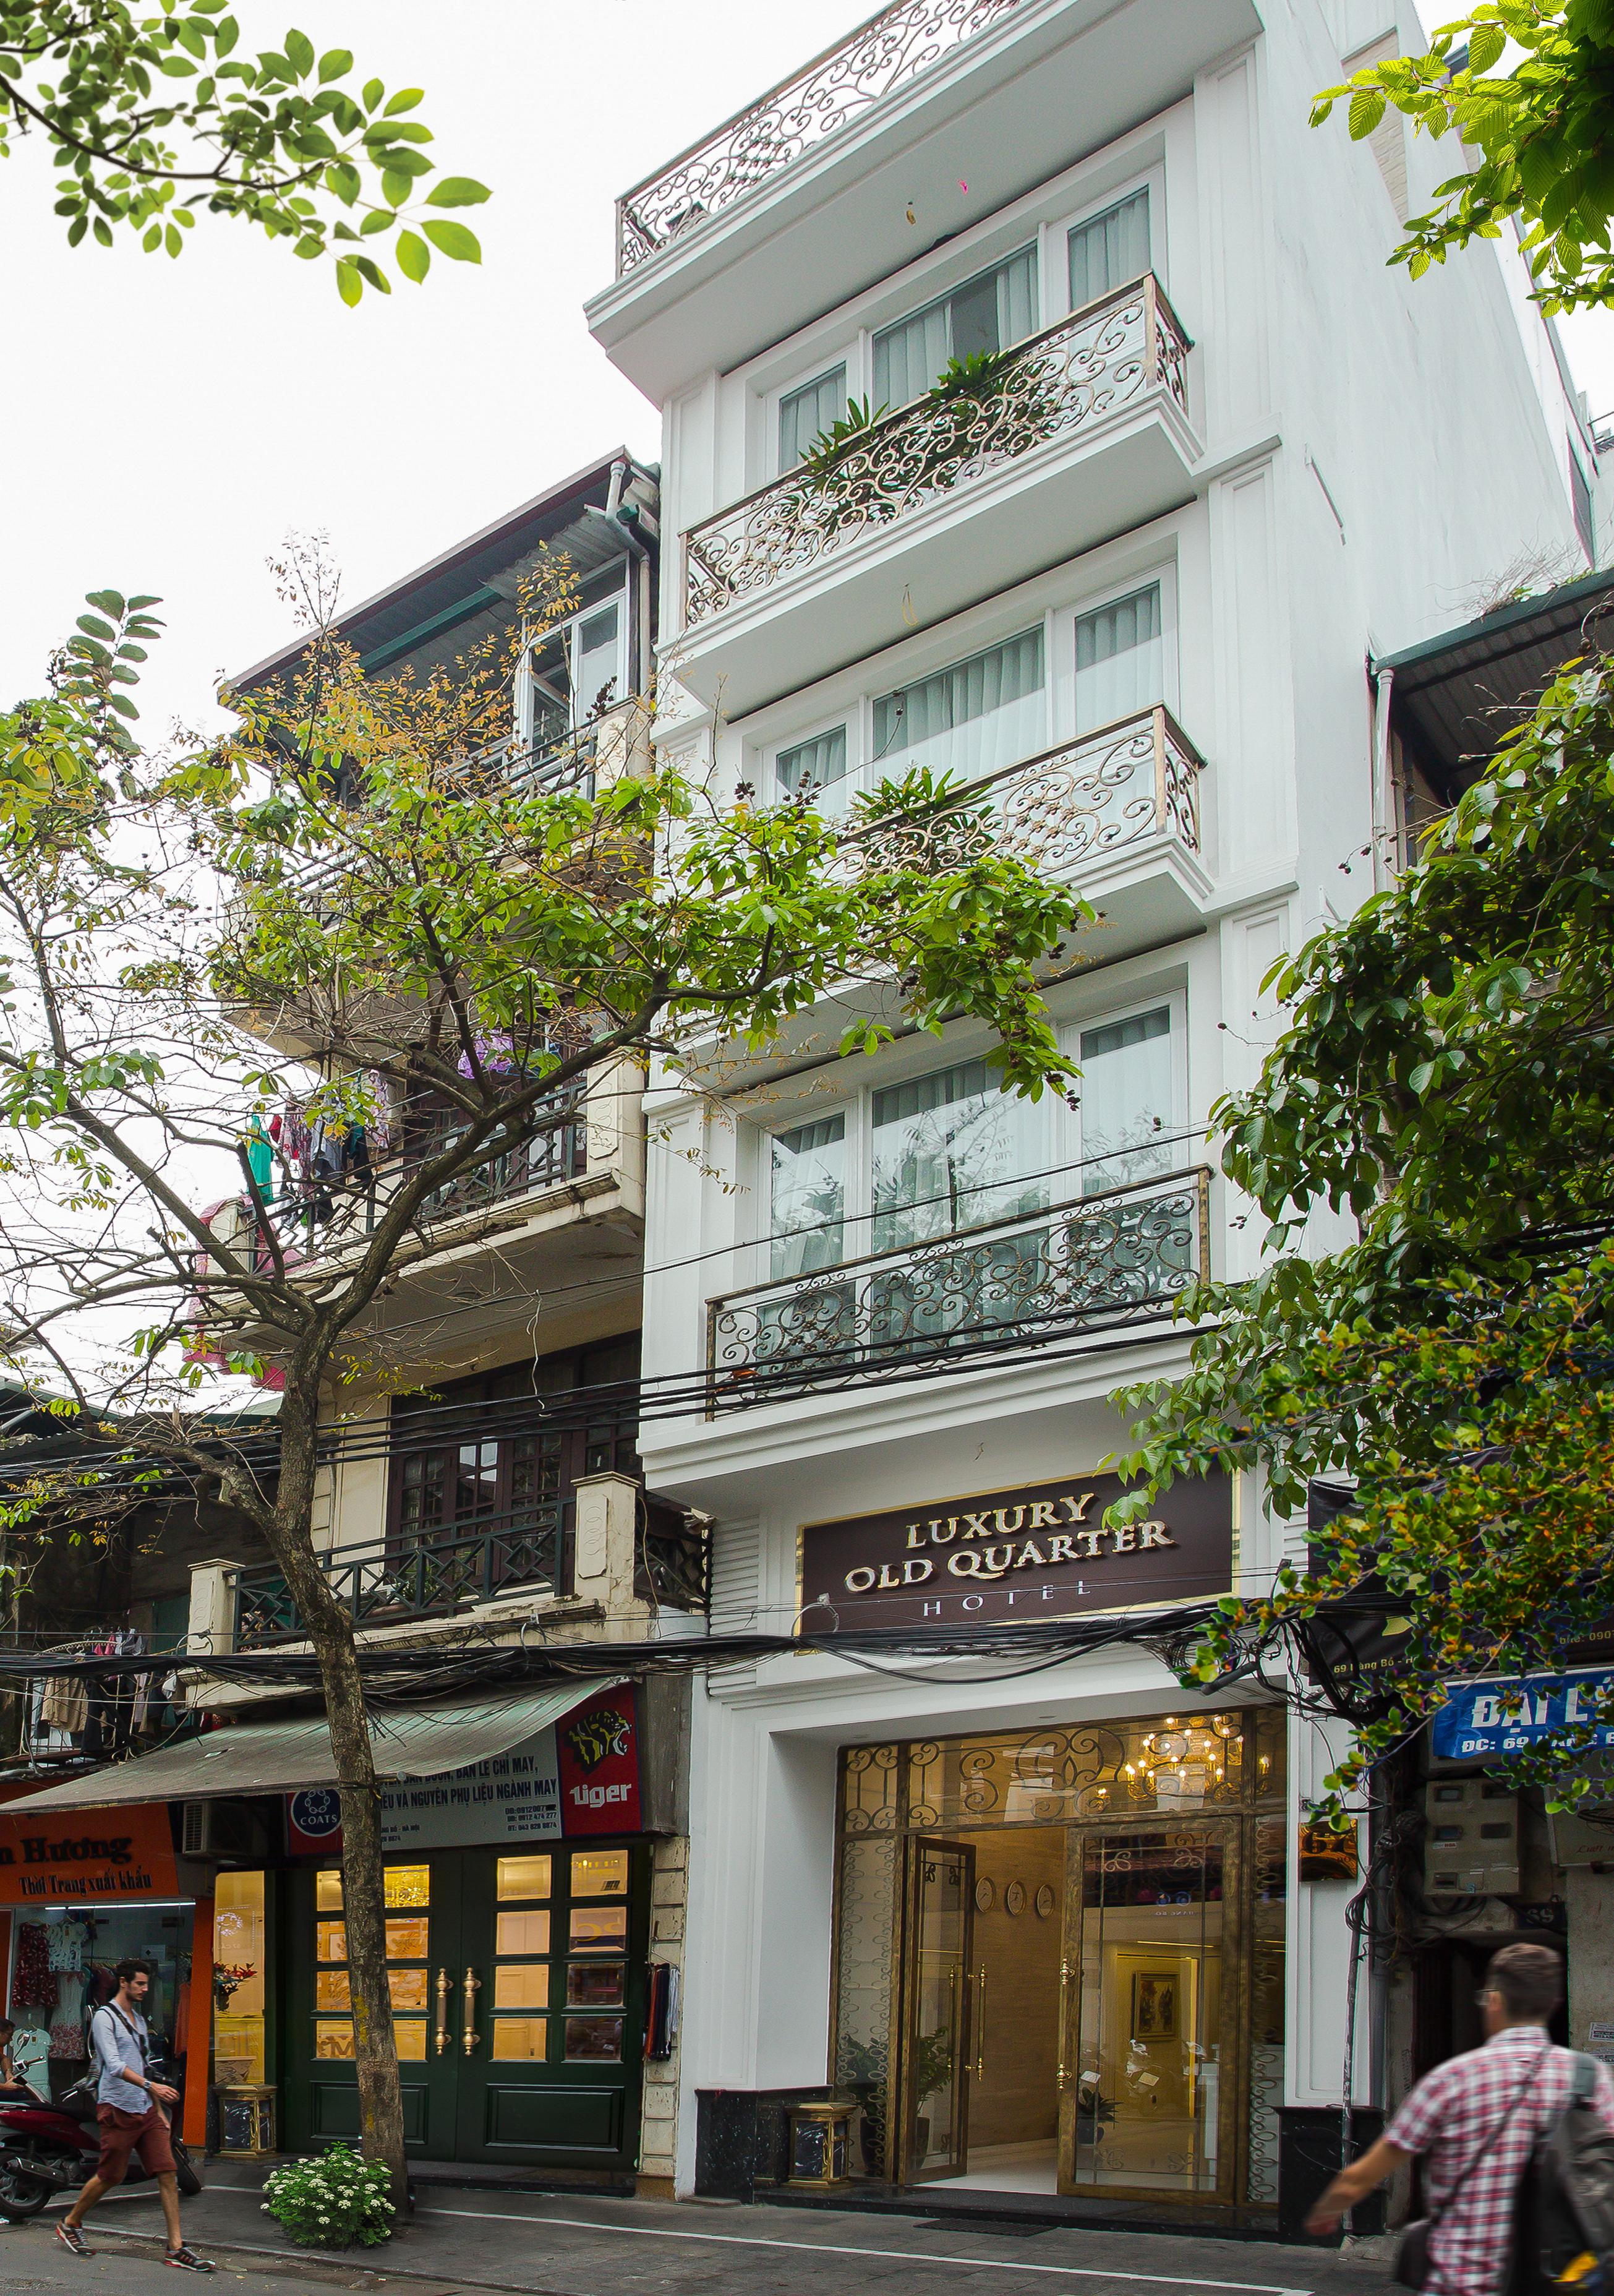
[
  {"x": 851, "y": 167},
  {"x": 440, "y": 1576},
  {"x": 1107, "y": 1259},
  {"x": 928, "y": 509}
]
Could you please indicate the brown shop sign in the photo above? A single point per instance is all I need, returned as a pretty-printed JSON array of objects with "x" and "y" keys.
[{"x": 1043, "y": 1552}]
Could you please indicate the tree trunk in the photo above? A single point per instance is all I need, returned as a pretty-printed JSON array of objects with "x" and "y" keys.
[{"x": 381, "y": 2096}]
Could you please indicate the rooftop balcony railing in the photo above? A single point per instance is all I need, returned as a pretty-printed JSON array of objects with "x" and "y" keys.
[
  {"x": 1065, "y": 381},
  {"x": 420, "y": 1575},
  {"x": 791, "y": 119},
  {"x": 1062, "y": 810},
  {"x": 1108, "y": 1258}
]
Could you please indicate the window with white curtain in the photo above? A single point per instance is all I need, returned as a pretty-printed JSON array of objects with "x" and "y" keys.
[
  {"x": 1110, "y": 250},
  {"x": 988, "y": 313},
  {"x": 804, "y": 412},
  {"x": 974, "y": 718},
  {"x": 950, "y": 1149},
  {"x": 1129, "y": 1099},
  {"x": 808, "y": 1196},
  {"x": 820, "y": 764},
  {"x": 1120, "y": 659}
]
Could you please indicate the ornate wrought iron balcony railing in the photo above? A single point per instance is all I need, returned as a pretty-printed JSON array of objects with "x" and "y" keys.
[
  {"x": 1055, "y": 383},
  {"x": 790, "y": 118},
  {"x": 1136, "y": 778},
  {"x": 418, "y": 1576},
  {"x": 1043, "y": 1275}
]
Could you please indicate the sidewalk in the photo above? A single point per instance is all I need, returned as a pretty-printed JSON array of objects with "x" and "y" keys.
[{"x": 548, "y": 2245}]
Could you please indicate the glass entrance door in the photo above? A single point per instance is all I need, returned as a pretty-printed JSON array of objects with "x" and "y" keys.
[
  {"x": 1148, "y": 2018},
  {"x": 517, "y": 2005},
  {"x": 941, "y": 1896}
]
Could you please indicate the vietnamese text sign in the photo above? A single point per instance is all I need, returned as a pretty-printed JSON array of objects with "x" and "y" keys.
[
  {"x": 1476, "y": 1720},
  {"x": 1042, "y": 1552},
  {"x": 95, "y": 1856}
]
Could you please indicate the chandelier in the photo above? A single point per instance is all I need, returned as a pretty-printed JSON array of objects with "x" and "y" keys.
[{"x": 1185, "y": 1760}]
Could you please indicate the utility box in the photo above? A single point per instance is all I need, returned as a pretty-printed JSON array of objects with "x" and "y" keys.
[{"x": 1471, "y": 1849}]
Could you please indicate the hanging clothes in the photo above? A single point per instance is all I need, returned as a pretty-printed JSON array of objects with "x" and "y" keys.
[
  {"x": 34, "y": 1982},
  {"x": 378, "y": 1123},
  {"x": 65, "y": 1705},
  {"x": 65, "y": 1944},
  {"x": 260, "y": 1159}
]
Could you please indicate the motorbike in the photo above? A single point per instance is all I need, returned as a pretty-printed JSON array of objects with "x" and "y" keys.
[{"x": 47, "y": 2150}]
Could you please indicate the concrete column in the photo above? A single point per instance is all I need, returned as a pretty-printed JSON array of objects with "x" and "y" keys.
[
  {"x": 1588, "y": 1889},
  {"x": 604, "y": 1542},
  {"x": 211, "y": 1626}
]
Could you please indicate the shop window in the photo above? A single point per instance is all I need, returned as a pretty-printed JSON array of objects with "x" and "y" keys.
[
  {"x": 238, "y": 1978},
  {"x": 522, "y": 1933},
  {"x": 522, "y": 1985},
  {"x": 524, "y": 1877},
  {"x": 594, "y": 2040},
  {"x": 599, "y": 1929},
  {"x": 599, "y": 1872},
  {"x": 521, "y": 2040}
]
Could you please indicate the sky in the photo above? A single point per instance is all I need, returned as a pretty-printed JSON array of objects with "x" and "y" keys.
[{"x": 168, "y": 423}]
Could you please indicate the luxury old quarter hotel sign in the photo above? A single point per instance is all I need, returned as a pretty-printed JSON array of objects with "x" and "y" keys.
[{"x": 1042, "y": 1552}]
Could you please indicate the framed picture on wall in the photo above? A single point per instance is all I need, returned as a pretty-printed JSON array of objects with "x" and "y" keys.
[{"x": 1154, "y": 2005}]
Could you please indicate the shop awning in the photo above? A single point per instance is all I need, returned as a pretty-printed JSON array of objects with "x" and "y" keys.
[{"x": 266, "y": 1757}]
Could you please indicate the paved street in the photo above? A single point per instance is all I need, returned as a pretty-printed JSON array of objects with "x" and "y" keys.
[{"x": 567, "y": 2246}]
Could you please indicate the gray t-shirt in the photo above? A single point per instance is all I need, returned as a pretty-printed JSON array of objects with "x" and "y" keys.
[{"x": 116, "y": 2036}]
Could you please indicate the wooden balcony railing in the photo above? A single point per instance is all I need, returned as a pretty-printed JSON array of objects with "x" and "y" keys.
[{"x": 418, "y": 1576}]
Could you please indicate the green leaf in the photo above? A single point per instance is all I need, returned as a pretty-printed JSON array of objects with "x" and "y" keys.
[
  {"x": 299, "y": 53},
  {"x": 94, "y": 627},
  {"x": 453, "y": 239},
  {"x": 457, "y": 192},
  {"x": 226, "y": 33},
  {"x": 414, "y": 256},
  {"x": 1366, "y": 110},
  {"x": 374, "y": 89},
  {"x": 350, "y": 286},
  {"x": 405, "y": 100},
  {"x": 335, "y": 63},
  {"x": 374, "y": 272},
  {"x": 1485, "y": 44},
  {"x": 396, "y": 187},
  {"x": 114, "y": 602}
]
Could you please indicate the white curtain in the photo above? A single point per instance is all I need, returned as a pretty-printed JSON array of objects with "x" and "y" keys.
[
  {"x": 1120, "y": 659},
  {"x": 1110, "y": 250},
  {"x": 988, "y": 313},
  {"x": 951, "y": 1149},
  {"x": 973, "y": 720},
  {"x": 1127, "y": 1101},
  {"x": 803, "y": 413},
  {"x": 822, "y": 761},
  {"x": 599, "y": 663},
  {"x": 808, "y": 1195}
]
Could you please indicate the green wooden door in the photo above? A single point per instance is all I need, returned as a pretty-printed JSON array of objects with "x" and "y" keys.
[
  {"x": 550, "y": 2067},
  {"x": 321, "y": 2087},
  {"x": 518, "y": 1997}
]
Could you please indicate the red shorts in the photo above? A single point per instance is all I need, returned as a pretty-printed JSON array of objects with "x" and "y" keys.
[{"x": 123, "y": 2133}]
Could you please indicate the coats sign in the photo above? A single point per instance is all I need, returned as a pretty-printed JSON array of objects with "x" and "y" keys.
[{"x": 1040, "y": 1551}]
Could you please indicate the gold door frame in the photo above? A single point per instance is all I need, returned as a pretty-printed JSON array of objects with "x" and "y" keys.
[
  {"x": 1232, "y": 2094},
  {"x": 904, "y": 1995}
]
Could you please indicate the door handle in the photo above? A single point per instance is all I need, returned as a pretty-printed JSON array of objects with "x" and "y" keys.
[
  {"x": 474, "y": 1986},
  {"x": 445, "y": 1987},
  {"x": 980, "y": 2023}
]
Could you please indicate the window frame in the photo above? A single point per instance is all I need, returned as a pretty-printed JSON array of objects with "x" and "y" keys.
[
  {"x": 526, "y": 689},
  {"x": 1062, "y": 661},
  {"x": 1056, "y": 262},
  {"x": 1070, "y": 1034},
  {"x": 850, "y": 357}
]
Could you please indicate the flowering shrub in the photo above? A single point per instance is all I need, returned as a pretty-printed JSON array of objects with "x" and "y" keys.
[{"x": 333, "y": 2202}]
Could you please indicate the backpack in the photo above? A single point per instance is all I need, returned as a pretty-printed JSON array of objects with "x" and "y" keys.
[{"x": 1570, "y": 2181}]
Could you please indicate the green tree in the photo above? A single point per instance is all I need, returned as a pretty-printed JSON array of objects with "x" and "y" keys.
[
  {"x": 285, "y": 138},
  {"x": 1544, "y": 130},
  {"x": 354, "y": 876},
  {"x": 1445, "y": 1078}
]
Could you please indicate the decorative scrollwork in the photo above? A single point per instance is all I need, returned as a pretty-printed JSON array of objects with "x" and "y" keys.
[
  {"x": 1071, "y": 374},
  {"x": 792, "y": 117},
  {"x": 1126, "y": 1251}
]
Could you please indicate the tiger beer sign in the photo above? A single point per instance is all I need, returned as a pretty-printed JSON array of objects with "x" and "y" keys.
[{"x": 580, "y": 1776}]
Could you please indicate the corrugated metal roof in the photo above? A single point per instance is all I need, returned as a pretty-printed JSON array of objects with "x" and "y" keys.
[
  {"x": 1456, "y": 697},
  {"x": 463, "y": 574},
  {"x": 266, "y": 1757}
]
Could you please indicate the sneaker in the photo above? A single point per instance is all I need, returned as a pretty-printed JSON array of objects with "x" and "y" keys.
[
  {"x": 185, "y": 2259},
  {"x": 72, "y": 2238}
]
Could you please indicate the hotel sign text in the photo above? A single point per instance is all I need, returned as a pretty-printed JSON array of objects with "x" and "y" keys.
[{"x": 1041, "y": 1552}]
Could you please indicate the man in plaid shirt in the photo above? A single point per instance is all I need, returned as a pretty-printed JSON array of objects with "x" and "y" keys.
[{"x": 1476, "y": 2119}]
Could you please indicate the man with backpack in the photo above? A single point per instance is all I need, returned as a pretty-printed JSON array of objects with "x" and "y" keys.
[
  {"x": 130, "y": 2110},
  {"x": 1518, "y": 2144}
]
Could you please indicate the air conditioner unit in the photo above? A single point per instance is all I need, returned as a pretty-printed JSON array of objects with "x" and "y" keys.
[
  {"x": 219, "y": 1829},
  {"x": 1471, "y": 1849}
]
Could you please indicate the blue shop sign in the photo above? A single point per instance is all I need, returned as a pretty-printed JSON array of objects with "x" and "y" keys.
[{"x": 1476, "y": 1721}]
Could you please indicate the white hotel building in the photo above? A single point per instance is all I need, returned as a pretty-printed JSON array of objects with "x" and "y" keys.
[{"x": 1049, "y": 1927}]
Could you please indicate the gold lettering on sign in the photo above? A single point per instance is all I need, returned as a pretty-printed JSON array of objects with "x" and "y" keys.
[
  {"x": 916, "y": 1569},
  {"x": 1125, "y": 1538},
  {"x": 1062, "y": 1547},
  {"x": 1155, "y": 1534},
  {"x": 1043, "y": 1517}
]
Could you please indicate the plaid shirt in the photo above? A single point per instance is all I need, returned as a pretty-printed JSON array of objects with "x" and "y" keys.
[{"x": 1489, "y": 2107}]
